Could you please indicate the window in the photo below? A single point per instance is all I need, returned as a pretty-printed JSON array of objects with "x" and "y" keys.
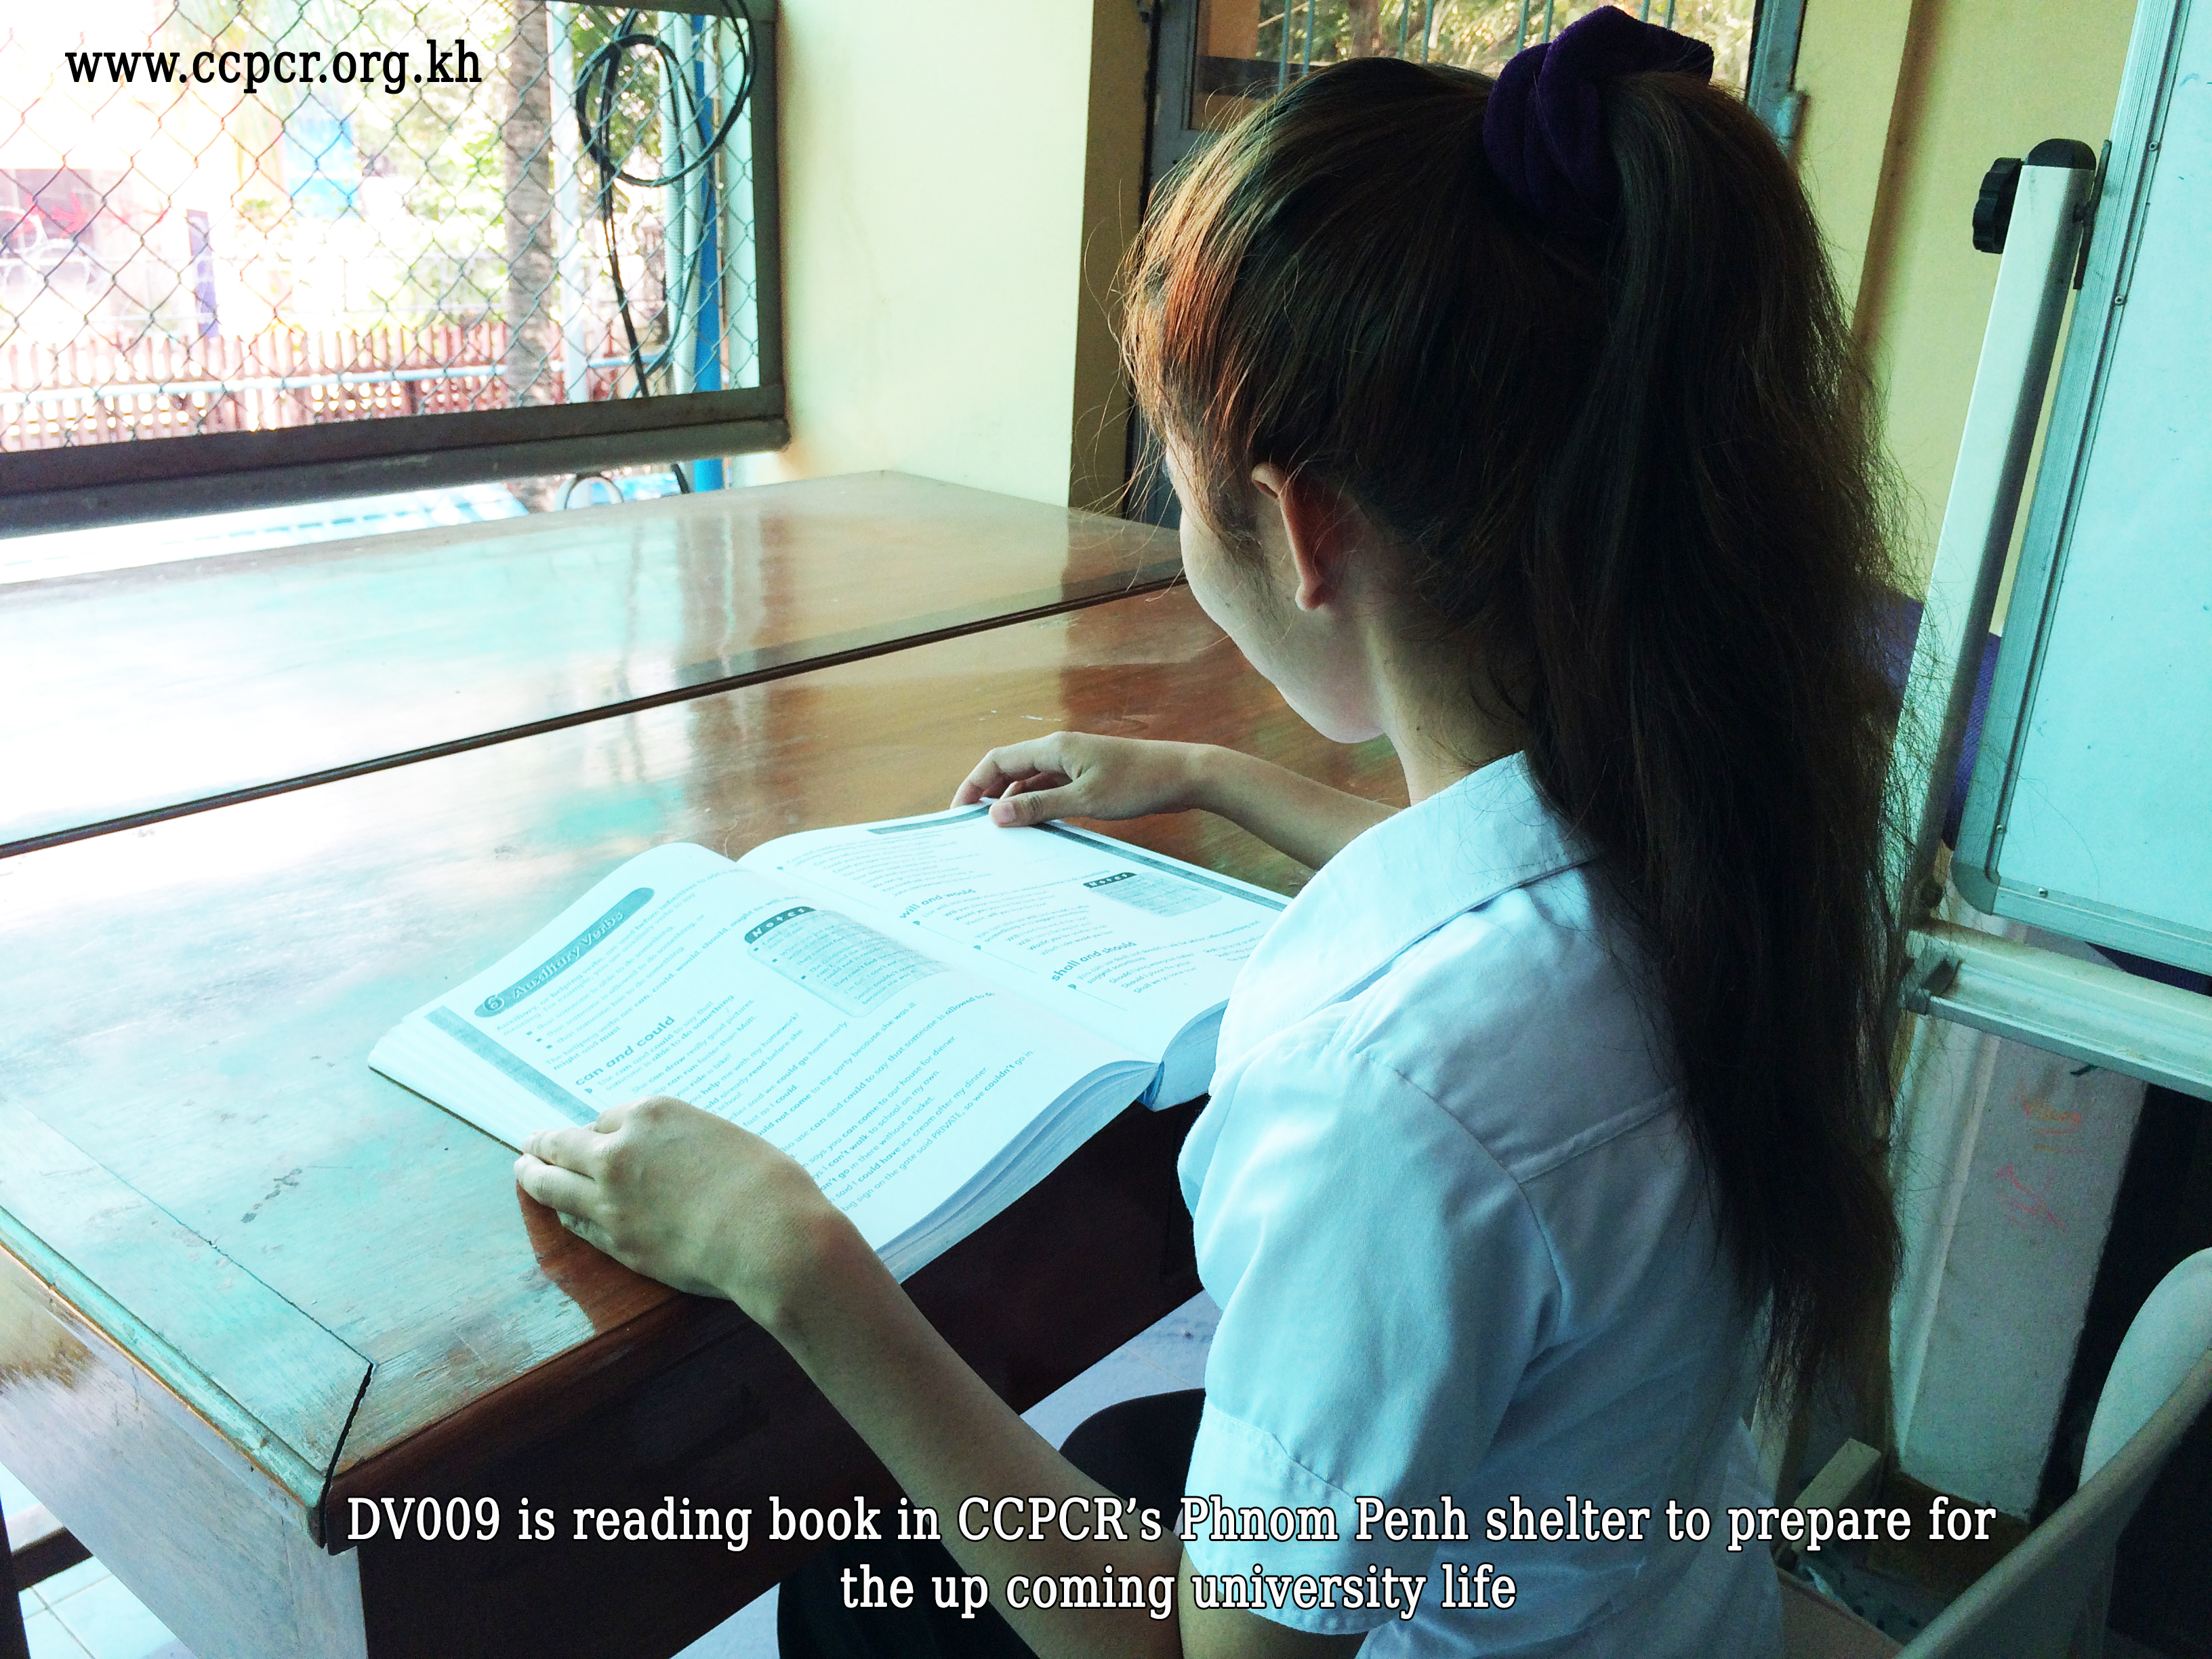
[
  {"x": 1217, "y": 57},
  {"x": 255, "y": 250}
]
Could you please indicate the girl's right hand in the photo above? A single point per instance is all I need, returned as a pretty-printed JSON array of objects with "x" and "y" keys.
[{"x": 1072, "y": 774}]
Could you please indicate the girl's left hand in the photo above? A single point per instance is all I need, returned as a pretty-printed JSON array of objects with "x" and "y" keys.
[{"x": 689, "y": 1199}]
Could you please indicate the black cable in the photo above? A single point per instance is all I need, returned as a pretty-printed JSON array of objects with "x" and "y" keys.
[
  {"x": 598, "y": 135},
  {"x": 569, "y": 495},
  {"x": 598, "y": 143},
  {"x": 606, "y": 60}
]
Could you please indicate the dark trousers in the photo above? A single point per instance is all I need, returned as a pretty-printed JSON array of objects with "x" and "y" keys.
[{"x": 1139, "y": 1449}]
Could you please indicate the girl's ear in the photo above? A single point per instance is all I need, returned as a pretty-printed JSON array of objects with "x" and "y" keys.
[{"x": 1315, "y": 527}]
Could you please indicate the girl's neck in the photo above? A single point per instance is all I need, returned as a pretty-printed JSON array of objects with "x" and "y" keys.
[
  {"x": 1320, "y": 606},
  {"x": 1426, "y": 702}
]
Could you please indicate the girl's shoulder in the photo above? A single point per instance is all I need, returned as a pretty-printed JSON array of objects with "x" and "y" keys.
[
  {"x": 1462, "y": 950},
  {"x": 1524, "y": 1020},
  {"x": 1492, "y": 1099},
  {"x": 1486, "y": 1108}
]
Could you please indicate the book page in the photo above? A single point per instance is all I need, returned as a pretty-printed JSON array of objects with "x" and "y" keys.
[
  {"x": 890, "y": 1077},
  {"x": 1123, "y": 941}
]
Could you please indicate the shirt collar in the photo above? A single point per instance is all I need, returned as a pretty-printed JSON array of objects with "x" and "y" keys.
[{"x": 1392, "y": 886}]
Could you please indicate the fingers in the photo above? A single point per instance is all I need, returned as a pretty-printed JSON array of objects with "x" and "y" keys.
[
  {"x": 554, "y": 1187},
  {"x": 986, "y": 779},
  {"x": 615, "y": 1116},
  {"x": 590, "y": 1231},
  {"x": 1035, "y": 803},
  {"x": 1008, "y": 765},
  {"x": 583, "y": 1149}
]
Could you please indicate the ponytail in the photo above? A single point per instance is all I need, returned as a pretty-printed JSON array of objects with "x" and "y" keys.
[
  {"x": 1709, "y": 707},
  {"x": 1634, "y": 474}
]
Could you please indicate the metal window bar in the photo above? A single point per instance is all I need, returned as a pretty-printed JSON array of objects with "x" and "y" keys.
[{"x": 129, "y": 328}]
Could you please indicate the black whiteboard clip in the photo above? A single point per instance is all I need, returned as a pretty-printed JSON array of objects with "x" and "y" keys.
[
  {"x": 1993, "y": 207},
  {"x": 2001, "y": 187}
]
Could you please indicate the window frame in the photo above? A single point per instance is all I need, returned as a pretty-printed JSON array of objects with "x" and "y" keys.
[
  {"x": 88, "y": 485},
  {"x": 1776, "y": 27}
]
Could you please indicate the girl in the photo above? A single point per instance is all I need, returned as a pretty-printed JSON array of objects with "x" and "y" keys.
[{"x": 1517, "y": 423}]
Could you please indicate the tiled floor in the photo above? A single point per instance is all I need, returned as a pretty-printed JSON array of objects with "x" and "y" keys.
[{"x": 87, "y": 1613}]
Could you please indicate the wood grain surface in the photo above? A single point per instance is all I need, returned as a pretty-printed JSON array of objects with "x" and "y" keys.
[
  {"x": 191, "y": 1004},
  {"x": 132, "y": 692},
  {"x": 191, "y": 1524}
]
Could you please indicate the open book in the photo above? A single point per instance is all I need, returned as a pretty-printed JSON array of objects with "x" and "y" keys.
[{"x": 928, "y": 1014}]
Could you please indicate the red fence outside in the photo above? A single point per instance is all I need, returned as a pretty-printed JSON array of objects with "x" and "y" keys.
[{"x": 96, "y": 391}]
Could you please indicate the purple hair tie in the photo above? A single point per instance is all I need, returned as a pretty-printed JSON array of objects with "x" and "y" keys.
[{"x": 1541, "y": 131}]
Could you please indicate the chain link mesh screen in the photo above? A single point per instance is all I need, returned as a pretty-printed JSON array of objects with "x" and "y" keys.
[
  {"x": 1248, "y": 48},
  {"x": 221, "y": 215}
]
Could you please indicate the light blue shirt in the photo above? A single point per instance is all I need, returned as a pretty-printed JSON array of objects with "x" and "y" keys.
[{"x": 1445, "y": 1197}]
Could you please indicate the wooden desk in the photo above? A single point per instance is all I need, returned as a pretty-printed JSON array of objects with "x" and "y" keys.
[
  {"x": 129, "y": 694},
  {"x": 247, "y": 1280}
]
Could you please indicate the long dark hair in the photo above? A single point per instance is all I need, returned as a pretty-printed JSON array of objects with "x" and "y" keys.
[{"x": 1637, "y": 476}]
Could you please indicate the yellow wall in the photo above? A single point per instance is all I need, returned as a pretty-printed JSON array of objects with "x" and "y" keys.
[
  {"x": 1848, "y": 59},
  {"x": 1908, "y": 101},
  {"x": 957, "y": 188}
]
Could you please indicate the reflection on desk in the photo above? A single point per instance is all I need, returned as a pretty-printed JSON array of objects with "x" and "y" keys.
[
  {"x": 248, "y": 1280},
  {"x": 132, "y": 692}
]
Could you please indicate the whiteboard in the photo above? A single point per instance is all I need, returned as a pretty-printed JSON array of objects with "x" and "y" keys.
[{"x": 2090, "y": 810}]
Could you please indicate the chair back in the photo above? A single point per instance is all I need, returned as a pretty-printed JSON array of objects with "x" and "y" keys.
[
  {"x": 2165, "y": 1339},
  {"x": 2030, "y": 1604}
]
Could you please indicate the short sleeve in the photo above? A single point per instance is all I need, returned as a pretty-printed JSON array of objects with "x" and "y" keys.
[{"x": 1383, "y": 1288}]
